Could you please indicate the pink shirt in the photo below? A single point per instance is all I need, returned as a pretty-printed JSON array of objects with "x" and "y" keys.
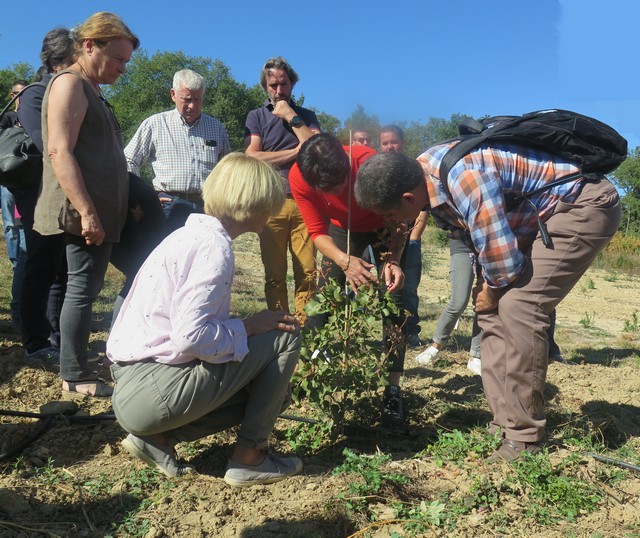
[{"x": 178, "y": 307}]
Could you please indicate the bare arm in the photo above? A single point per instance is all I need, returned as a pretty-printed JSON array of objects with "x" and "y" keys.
[
  {"x": 66, "y": 111},
  {"x": 253, "y": 143},
  {"x": 357, "y": 271},
  {"x": 419, "y": 226}
]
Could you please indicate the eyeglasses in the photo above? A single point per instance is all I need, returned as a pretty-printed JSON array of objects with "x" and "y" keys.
[{"x": 362, "y": 140}]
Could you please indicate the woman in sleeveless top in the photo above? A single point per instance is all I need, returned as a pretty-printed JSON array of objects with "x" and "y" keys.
[{"x": 85, "y": 183}]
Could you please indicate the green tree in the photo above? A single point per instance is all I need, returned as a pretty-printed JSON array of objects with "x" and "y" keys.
[
  {"x": 360, "y": 120},
  {"x": 419, "y": 136},
  {"x": 9, "y": 75},
  {"x": 627, "y": 179},
  {"x": 328, "y": 123}
]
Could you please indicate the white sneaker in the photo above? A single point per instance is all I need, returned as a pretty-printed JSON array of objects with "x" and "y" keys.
[
  {"x": 426, "y": 357},
  {"x": 475, "y": 365}
]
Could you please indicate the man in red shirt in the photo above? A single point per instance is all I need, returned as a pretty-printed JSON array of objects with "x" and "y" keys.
[{"x": 322, "y": 183}]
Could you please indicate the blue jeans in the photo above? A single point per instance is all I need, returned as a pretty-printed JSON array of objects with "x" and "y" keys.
[
  {"x": 87, "y": 265},
  {"x": 412, "y": 274},
  {"x": 16, "y": 249}
]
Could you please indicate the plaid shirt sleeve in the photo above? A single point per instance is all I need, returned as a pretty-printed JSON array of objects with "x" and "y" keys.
[{"x": 139, "y": 148}]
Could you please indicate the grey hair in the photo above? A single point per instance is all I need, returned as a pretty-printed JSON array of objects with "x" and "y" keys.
[
  {"x": 186, "y": 78},
  {"x": 384, "y": 178},
  {"x": 278, "y": 62}
]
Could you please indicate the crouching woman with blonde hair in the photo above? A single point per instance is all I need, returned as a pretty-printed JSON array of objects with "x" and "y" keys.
[{"x": 184, "y": 368}]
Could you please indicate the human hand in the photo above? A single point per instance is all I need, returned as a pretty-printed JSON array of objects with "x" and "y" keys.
[
  {"x": 92, "y": 230},
  {"x": 485, "y": 299},
  {"x": 269, "y": 320},
  {"x": 358, "y": 273},
  {"x": 137, "y": 213},
  {"x": 283, "y": 110},
  {"x": 393, "y": 276}
]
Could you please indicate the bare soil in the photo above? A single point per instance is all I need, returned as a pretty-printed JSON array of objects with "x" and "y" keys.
[{"x": 74, "y": 479}]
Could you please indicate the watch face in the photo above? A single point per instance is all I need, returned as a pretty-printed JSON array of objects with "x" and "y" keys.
[{"x": 295, "y": 121}]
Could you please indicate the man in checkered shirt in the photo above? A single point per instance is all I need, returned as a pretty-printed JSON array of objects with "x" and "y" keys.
[
  {"x": 182, "y": 146},
  {"x": 522, "y": 279}
]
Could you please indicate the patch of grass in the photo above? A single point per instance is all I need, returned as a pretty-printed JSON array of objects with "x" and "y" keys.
[
  {"x": 588, "y": 320},
  {"x": 552, "y": 493},
  {"x": 457, "y": 446},
  {"x": 368, "y": 478},
  {"x": 632, "y": 325}
]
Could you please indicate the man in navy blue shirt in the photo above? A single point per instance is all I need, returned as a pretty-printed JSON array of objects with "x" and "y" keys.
[{"x": 274, "y": 134}]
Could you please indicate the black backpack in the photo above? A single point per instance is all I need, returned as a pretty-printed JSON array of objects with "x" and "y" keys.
[
  {"x": 593, "y": 146},
  {"x": 20, "y": 159}
]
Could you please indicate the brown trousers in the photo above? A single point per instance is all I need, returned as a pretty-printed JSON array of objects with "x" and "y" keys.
[
  {"x": 285, "y": 231},
  {"x": 514, "y": 345}
]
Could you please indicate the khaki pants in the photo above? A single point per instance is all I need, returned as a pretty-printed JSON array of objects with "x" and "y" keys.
[
  {"x": 514, "y": 345},
  {"x": 190, "y": 401},
  {"x": 288, "y": 230}
]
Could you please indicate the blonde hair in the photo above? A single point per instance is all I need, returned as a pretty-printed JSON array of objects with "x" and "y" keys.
[
  {"x": 241, "y": 187},
  {"x": 102, "y": 27}
]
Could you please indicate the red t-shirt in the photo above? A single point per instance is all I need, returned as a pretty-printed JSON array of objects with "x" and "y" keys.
[{"x": 318, "y": 208}]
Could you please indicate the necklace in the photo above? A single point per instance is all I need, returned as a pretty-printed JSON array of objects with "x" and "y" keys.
[{"x": 93, "y": 84}]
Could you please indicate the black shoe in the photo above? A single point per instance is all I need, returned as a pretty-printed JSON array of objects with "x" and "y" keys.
[
  {"x": 414, "y": 341},
  {"x": 392, "y": 411}
]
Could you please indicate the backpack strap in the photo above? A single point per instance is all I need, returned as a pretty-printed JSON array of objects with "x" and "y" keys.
[{"x": 16, "y": 96}]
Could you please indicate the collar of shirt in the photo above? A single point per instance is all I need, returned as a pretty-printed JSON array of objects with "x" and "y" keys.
[
  {"x": 209, "y": 221},
  {"x": 184, "y": 122}
]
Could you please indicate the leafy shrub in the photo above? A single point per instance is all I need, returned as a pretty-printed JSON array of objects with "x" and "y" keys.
[{"x": 342, "y": 363}]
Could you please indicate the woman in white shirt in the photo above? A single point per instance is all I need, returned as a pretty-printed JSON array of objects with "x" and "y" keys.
[{"x": 185, "y": 369}]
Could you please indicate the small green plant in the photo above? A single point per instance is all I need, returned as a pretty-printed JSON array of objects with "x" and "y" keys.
[
  {"x": 370, "y": 477},
  {"x": 50, "y": 475},
  {"x": 483, "y": 494},
  {"x": 632, "y": 326},
  {"x": 99, "y": 486},
  {"x": 610, "y": 277},
  {"x": 133, "y": 526},
  {"x": 553, "y": 494},
  {"x": 432, "y": 513},
  {"x": 588, "y": 320},
  {"x": 457, "y": 446},
  {"x": 591, "y": 285}
]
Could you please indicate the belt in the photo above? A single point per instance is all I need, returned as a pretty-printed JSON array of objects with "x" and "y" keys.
[{"x": 189, "y": 196}]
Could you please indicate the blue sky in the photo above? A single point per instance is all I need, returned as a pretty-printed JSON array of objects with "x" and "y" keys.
[{"x": 401, "y": 60}]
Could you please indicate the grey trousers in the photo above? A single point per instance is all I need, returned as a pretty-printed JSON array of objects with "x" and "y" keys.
[
  {"x": 514, "y": 343},
  {"x": 462, "y": 276},
  {"x": 190, "y": 401}
]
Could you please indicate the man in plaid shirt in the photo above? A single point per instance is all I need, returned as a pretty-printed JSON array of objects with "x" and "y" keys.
[
  {"x": 522, "y": 280},
  {"x": 182, "y": 145}
]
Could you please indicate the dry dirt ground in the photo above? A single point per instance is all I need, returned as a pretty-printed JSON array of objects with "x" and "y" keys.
[{"x": 74, "y": 479}]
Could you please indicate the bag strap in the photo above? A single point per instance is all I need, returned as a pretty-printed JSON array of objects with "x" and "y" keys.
[{"x": 16, "y": 96}]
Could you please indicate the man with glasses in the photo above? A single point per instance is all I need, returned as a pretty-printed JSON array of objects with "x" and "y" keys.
[{"x": 361, "y": 138}]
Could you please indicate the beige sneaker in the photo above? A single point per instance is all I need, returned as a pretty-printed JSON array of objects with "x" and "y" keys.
[{"x": 475, "y": 365}]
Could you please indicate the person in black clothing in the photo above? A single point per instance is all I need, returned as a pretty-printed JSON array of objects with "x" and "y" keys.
[{"x": 45, "y": 273}]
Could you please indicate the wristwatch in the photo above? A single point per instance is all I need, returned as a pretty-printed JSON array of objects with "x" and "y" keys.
[{"x": 296, "y": 121}]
